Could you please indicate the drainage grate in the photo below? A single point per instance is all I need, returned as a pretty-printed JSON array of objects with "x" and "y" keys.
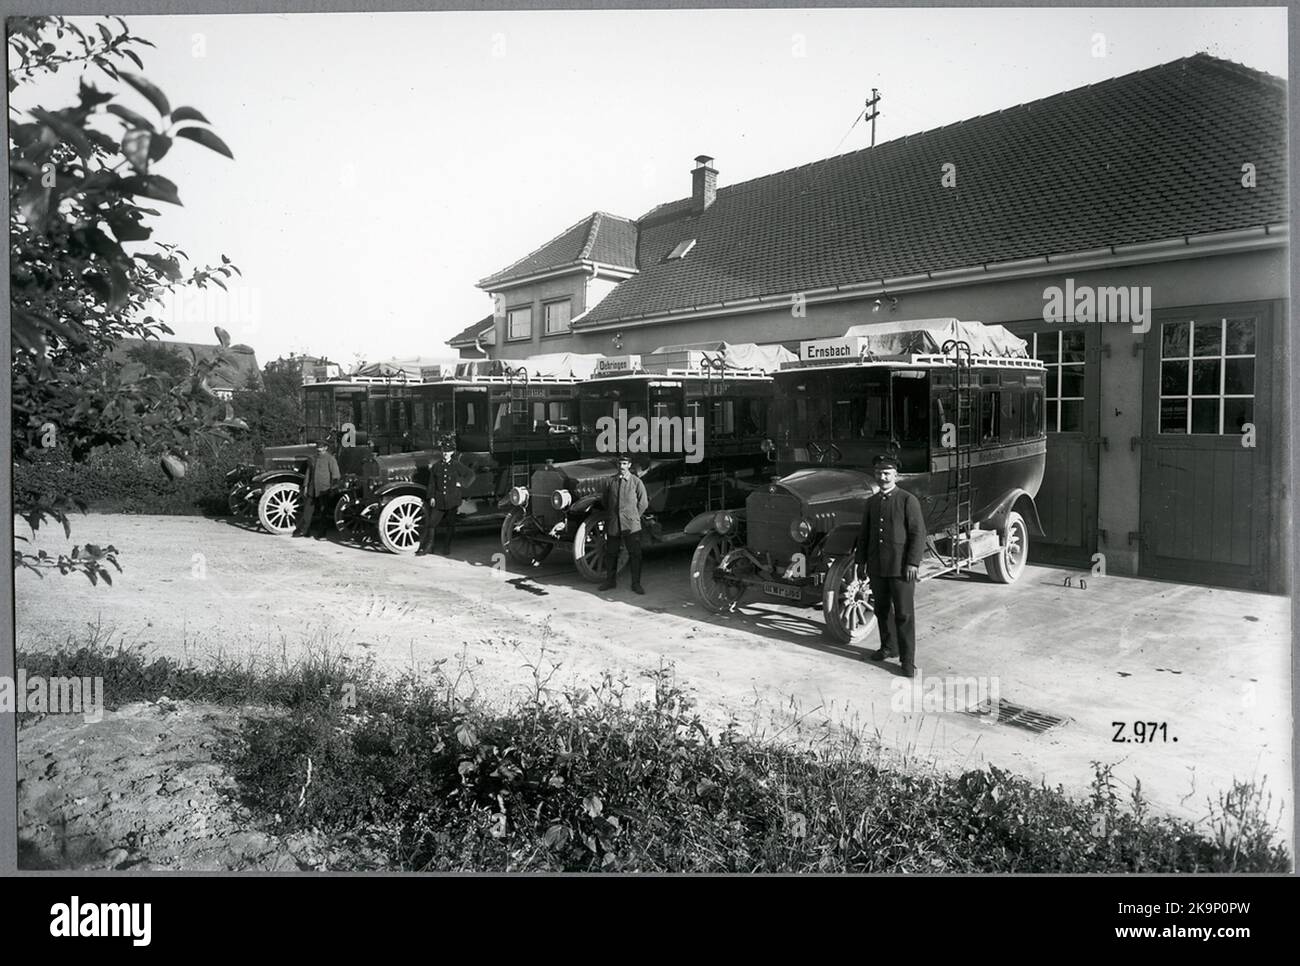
[{"x": 1018, "y": 716}]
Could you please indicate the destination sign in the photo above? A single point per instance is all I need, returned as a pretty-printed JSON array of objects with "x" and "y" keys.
[
  {"x": 829, "y": 350},
  {"x": 613, "y": 364}
]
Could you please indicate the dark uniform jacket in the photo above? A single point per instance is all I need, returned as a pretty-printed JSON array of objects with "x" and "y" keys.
[
  {"x": 322, "y": 473},
  {"x": 447, "y": 484},
  {"x": 893, "y": 534},
  {"x": 624, "y": 514}
]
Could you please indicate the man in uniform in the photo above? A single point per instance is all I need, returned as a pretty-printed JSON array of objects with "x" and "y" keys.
[
  {"x": 625, "y": 500},
  {"x": 890, "y": 546},
  {"x": 448, "y": 480},
  {"x": 322, "y": 474}
]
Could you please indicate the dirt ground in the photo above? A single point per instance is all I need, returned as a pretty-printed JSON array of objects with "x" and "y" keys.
[{"x": 1214, "y": 665}]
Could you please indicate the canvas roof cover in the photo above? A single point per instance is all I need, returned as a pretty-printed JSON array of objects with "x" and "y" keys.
[
  {"x": 739, "y": 355},
  {"x": 927, "y": 336},
  {"x": 558, "y": 364}
]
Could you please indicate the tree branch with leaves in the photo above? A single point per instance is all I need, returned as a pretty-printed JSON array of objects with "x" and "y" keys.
[{"x": 85, "y": 269}]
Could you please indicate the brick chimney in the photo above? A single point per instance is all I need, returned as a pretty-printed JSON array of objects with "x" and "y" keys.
[{"x": 704, "y": 183}]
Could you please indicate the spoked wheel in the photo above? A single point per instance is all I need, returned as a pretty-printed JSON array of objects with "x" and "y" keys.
[
  {"x": 277, "y": 510},
  {"x": 846, "y": 601},
  {"x": 522, "y": 549},
  {"x": 719, "y": 596},
  {"x": 345, "y": 515},
  {"x": 1008, "y": 563},
  {"x": 401, "y": 522},
  {"x": 589, "y": 550}
]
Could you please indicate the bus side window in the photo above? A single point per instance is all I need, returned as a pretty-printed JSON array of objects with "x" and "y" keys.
[
  {"x": 990, "y": 408},
  {"x": 724, "y": 417},
  {"x": 940, "y": 421},
  {"x": 1011, "y": 418},
  {"x": 1034, "y": 414}
]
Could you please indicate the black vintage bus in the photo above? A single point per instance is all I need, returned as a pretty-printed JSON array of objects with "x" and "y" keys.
[
  {"x": 339, "y": 410},
  {"x": 506, "y": 417},
  {"x": 959, "y": 404},
  {"x": 703, "y": 411}
]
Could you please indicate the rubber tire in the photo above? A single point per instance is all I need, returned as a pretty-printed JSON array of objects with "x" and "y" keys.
[
  {"x": 522, "y": 550},
  {"x": 278, "y": 508},
  {"x": 713, "y": 595},
  {"x": 401, "y": 524},
  {"x": 1006, "y": 566},
  {"x": 840, "y": 626},
  {"x": 344, "y": 522},
  {"x": 584, "y": 555}
]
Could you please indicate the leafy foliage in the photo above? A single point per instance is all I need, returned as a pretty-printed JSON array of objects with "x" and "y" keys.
[
  {"x": 592, "y": 779},
  {"x": 273, "y": 409},
  {"x": 596, "y": 780},
  {"x": 160, "y": 360},
  {"x": 78, "y": 176}
]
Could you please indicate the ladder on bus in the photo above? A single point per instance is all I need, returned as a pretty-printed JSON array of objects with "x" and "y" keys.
[
  {"x": 960, "y": 476},
  {"x": 716, "y": 480},
  {"x": 520, "y": 426}
]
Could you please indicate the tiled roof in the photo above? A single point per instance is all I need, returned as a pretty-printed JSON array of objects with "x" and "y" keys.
[
  {"x": 599, "y": 237},
  {"x": 231, "y": 375},
  {"x": 1151, "y": 155},
  {"x": 466, "y": 335}
]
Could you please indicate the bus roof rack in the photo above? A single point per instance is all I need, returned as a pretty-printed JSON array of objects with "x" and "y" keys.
[{"x": 917, "y": 342}]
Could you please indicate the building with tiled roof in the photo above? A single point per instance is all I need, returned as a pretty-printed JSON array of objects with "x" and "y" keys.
[
  {"x": 1163, "y": 190},
  {"x": 473, "y": 341}
]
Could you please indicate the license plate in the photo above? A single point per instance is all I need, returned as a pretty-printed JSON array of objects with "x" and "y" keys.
[{"x": 781, "y": 590}]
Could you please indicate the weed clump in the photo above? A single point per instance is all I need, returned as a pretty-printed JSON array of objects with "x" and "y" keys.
[{"x": 613, "y": 777}]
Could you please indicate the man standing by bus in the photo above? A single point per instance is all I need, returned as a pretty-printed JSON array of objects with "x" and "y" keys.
[
  {"x": 448, "y": 480},
  {"x": 890, "y": 546},
  {"x": 322, "y": 474},
  {"x": 625, "y": 501}
]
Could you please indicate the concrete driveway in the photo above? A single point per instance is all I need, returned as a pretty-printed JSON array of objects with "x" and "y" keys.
[{"x": 1209, "y": 668}]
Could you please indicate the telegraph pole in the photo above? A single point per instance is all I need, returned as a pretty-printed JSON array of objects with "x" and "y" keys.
[{"x": 873, "y": 113}]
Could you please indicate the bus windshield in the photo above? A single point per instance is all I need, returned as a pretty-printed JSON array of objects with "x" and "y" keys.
[
  {"x": 606, "y": 398},
  {"x": 847, "y": 416}
]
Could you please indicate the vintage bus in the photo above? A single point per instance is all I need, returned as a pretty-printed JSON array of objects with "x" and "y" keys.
[
  {"x": 702, "y": 412},
  {"x": 338, "y": 410},
  {"x": 959, "y": 404},
  {"x": 505, "y": 418}
]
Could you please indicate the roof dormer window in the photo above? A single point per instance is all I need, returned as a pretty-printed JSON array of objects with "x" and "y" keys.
[{"x": 682, "y": 248}]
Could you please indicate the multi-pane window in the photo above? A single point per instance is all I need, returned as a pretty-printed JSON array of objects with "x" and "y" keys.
[
  {"x": 557, "y": 316},
  {"x": 1207, "y": 376},
  {"x": 519, "y": 323},
  {"x": 1062, "y": 353}
]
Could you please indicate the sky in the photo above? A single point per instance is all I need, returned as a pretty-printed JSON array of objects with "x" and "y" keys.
[{"x": 384, "y": 163}]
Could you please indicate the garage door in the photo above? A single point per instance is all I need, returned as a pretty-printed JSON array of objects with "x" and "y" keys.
[
  {"x": 1067, "y": 499},
  {"x": 1205, "y": 511}
]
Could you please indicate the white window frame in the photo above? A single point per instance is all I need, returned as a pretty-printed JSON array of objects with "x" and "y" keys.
[
  {"x": 546, "y": 317},
  {"x": 1054, "y": 425},
  {"x": 510, "y": 323},
  {"x": 1222, "y": 358}
]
